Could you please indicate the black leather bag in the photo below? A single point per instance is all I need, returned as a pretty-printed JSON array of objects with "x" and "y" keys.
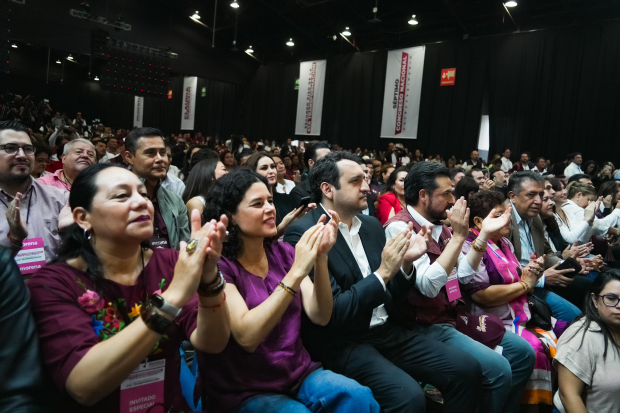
[{"x": 541, "y": 313}]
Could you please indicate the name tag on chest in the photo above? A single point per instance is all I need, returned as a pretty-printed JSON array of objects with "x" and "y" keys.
[{"x": 144, "y": 388}]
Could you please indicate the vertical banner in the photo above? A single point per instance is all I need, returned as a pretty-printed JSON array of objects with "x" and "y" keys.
[
  {"x": 310, "y": 99},
  {"x": 189, "y": 103},
  {"x": 138, "y": 111},
  {"x": 401, "y": 99}
]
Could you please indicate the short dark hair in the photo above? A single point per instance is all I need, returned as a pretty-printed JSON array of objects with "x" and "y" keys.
[
  {"x": 572, "y": 155},
  {"x": 423, "y": 175},
  {"x": 42, "y": 148},
  {"x": 464, "y": 187},
  {"x": 539, "y": 158},
  {"x": 326, "y": 170},
  {"x": 454, "y": 172},
  {"x": 12, "y": 125},
  {"x": 131, "y": 140},
  {"x": 482, "y": 203},
  {"x": 517, "y": 180},
  {"x": 470, "y": 173},
  {"x": 497, "y": 161},
  {"x": 311, "y": 152},
  {"x": 577, "y": 178}
]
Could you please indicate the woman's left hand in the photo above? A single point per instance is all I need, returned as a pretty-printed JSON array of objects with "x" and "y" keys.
[
  {"x": 492, "y": 225},
  {"x": 215, "y": 233},
  {"x": 330, "y": 233},
  {"x": 292, "y": 216}
]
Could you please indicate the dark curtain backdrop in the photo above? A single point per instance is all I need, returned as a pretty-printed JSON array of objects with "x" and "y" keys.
[
  {"x": 549, "y": 92},
  {"x": 216, "y": 113}
]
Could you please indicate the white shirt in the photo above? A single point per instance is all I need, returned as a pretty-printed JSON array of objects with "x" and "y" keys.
[
  {"x": 572, "y": 169},
  {"x": 286, "y": 188},
  {"x": 352, "y": 237},
  {"x": 174, "y": 185},
  {"x": 526, "y": 167},
  {"x": 506, "y": 164},
  {"x": 573, "y": 230},
  {"x": 600, "y": 227},
  {"x": 107, "y": 157},
  {"x": 405, "y": 160},
  {"x": 544, "y": 171},
  {"x": 430, "y": 278}
]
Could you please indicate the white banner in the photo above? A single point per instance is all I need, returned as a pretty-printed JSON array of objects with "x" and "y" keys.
[
  {"x": 138, "y": 111},
  {"x": 401, "y": 99},
  {"x": 310, "y": 99},
  {"x": 189, "y": 103}
]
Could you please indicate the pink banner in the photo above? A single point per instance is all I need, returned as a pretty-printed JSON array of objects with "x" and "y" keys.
[{"x": 402, "y": 89}]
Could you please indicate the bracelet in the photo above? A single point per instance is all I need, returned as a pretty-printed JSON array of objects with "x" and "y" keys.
[
  {"x": 213, "y": 307},
  {"x": 477, "y": 248},
  {"x": 13, "y": 241},
  {"x": 209, "y": 290},
  {"x": 215, "y": 281},
  {"x": 526, "y": 288},
  {"x": 288, "y": 289}
]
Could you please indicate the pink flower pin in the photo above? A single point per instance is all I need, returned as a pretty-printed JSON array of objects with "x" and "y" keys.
[{"x": 91, "y": 302}]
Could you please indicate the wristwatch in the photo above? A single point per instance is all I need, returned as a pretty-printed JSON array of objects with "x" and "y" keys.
[
  {"x": 164, "y": 306},
  {"x": 156, "y": 322}
]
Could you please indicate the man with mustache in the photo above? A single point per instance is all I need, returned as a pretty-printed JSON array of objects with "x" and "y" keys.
[
  {"x": 145, "y": 151},
  {"x": 77, "y": 155},
  {"x": 32, "y": 210}
]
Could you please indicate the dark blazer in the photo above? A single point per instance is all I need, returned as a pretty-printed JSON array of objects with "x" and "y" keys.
[
  {"x": 301, "y": 190},
  {"x": 371, "y": 206},
  {"x": 355, "y": 297},
  {"x": 518, "y": 167}
]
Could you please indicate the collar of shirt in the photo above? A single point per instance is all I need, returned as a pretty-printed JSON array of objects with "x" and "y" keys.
[
  {"x": 519, "y": 219},
  {"x": 9, "y": 198},
  {"x": 436, "y": 232},
  {"x": 356, "y": 224}
]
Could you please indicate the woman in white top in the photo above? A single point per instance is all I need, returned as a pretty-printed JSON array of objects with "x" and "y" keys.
[
  {"x": 582, "y": 203},
  {"x": 573, "y": 229},
  {"x": 588, "y": 356},
  {"x": 199, "y": 181}
]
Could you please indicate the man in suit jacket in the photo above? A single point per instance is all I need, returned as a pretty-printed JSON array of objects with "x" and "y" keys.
[
  {"x": 564, "y": 295},
  {"x": 524, "y": 163},
  {"x": 364, "y": 339}
]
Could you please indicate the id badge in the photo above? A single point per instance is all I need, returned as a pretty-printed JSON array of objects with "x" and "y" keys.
[
  {"x": 144, "y": 388},
  {"x": 159, "y": 243},
  {"x": 452, "y": 287},
  {"x": 31, "y": 257}
]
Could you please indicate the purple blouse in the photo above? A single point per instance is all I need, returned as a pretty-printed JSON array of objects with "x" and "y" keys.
[
  {"x": 71, "y": 319},
  {"x": 279, "y": 364}
]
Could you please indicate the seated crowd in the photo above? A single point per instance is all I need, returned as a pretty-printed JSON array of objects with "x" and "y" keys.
[{"x": 152, "y": 273}]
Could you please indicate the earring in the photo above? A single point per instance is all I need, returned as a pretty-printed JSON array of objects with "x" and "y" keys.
[{"x": 86, "y": 234}]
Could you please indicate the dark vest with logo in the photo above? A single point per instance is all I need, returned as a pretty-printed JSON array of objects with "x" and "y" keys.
[{"x": 420, "y": 308}]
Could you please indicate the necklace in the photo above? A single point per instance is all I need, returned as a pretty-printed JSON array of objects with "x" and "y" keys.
[
  {"x": 260, "y": 262},
  {"x": 67, "y": 179}
]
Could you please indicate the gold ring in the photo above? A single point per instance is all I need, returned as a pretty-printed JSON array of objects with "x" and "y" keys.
[{"x": 192, "y": 245}]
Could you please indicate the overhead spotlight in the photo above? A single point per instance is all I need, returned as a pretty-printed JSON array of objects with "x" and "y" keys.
[
  {"x": 290, "y": 43},
  {"x": 346, "y": 32},
  {"x": 413, "y": 21},
  {"x": 196, "y": 16},
  {"x": 249, "y": 50},
  {"x": 511, "y": 4},
  {"x": 96, "y": 78},
  {"x": 58, "y": 61},
  {"x": 14, "y": 46},
  {"x": 234, "y": 4},
  {"x": 69, "y": 57}
]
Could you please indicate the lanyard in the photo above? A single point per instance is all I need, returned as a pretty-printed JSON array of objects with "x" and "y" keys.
[
  {"x": 528, "y": 233},
  {"x": 27, "y": 209}
]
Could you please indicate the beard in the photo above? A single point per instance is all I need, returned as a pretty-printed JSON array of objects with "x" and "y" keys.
[
  {"x": 435, "y": 212},
  {"x": 15, "y": 178}
]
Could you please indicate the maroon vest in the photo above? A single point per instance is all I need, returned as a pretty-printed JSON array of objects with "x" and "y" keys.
[{"x": 420, "y": 308}]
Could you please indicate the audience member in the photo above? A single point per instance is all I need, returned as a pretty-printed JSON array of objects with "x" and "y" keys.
[
  {"x": 465, "y": 188},
  {"x": 588, "y": 355},
  {"x": 541, "y": 166},
  {"x": 32, "y": 210},
  {"x": 582, "y": 198},
  {"x": 575, "y": 165},
  {"x": 483, "y": 182},
  {"x": 111, "y": 149},
  {"x": 100, "y": 148},
  {"x": 610, "y": 192},
  {"x": 506, "y": 162},
  {"x": 312, "y": 154},
  {"x": 500, "y": 179},
  {"x": 227, "y": 158},
  {"x": 125, "y": 307},
  {"x": 41, "y": 161},
  {"x": 369, "y": 276},
  {"x": 524, "y": 163},
  {"x": 564, "y": 295},
  {"x": 199, "y": 182},
  {"x": 456, "y": 175},
  {"x": 581, "y": 178},
  {"x": 77, "y": 155},
  {"x": 265, "y": 366},
  {"x": 392, "y": 198},
  {"x": 474, "y": 161},
  {"x": 283, "y": 185},
  {"x": 428, "y": 306},
  {"x": 146, "y": 153}
]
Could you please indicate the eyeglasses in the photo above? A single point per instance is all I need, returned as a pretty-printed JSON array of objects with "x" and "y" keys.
[
  {"x": 610, "y": 300},
  {"x": 12, "y": 149}
]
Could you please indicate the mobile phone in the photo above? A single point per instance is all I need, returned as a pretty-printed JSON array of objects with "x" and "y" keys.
[
  {"x": 304, "y": 202},
  {"x": 570, "y": 263}
]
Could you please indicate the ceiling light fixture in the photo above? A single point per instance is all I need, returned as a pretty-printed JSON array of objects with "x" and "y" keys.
[
  {"x": 96, "y": 78},
  {"x": 249, "y": 50},
  {"x": 14, "y": 46},
  {"x": 413, "y": 21},
  {"x": 511, "y": 4},
  {"x": 69, "y": 57},
  {"x": 234, "y": 4},
  {"x": 346, "y": 32},
  {"x": 290, "y": 43},
  {"x": 195, "y": 17}
]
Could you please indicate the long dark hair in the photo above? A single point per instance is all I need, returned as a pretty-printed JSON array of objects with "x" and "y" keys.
[
  {"x": 253, "y": 160},
  {"x": 391, "y": 181},
  {"x": 591, "y": 313},
  {"x": 200, "y": 179},
  {"x": 188, "y": 155},
  {"x": 224, "y": 197},
  {"x": 74, "y": 243},
  {"x": 464, "y": 187},
  {"x": 607, "y": 188}
]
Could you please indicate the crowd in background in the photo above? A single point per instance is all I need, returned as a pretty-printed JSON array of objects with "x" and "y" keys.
[{"x": 300, "y": 276}]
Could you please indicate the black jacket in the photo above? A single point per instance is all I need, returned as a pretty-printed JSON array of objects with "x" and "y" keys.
[
  {"x": 355, "y": 297},
  {"x": 300, "y": 191}
]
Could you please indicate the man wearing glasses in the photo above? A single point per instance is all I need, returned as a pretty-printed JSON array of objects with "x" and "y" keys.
[{"x": 32, "y": 210}]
